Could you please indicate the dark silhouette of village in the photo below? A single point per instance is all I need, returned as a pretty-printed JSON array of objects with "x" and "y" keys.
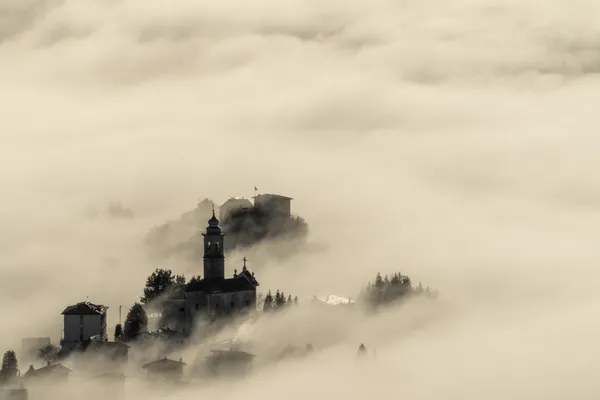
[{"x": 190, "y": 314}]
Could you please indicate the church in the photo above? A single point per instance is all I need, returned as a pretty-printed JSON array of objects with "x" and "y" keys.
[{"x": 214, "y": 296}]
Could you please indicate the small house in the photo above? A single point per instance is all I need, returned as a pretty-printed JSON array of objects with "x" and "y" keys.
[
  {"x": 81, "y": 322},
  {"x": 234, "y": 362},
  {"x": 51, "y": 372},
  {"x": 165, "y": 369}
]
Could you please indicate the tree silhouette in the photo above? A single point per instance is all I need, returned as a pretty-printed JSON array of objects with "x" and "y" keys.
[
  {"x": 386, "y": 290},
  {"x": 379, "y": 281},
  {"x": 268, "y": 306},
  {"x": 194, "y": 279},
  {"x": 135, "y": 322},
  {"x": 10, "y": 367},
  {"x": 279, "y": 300},
  {"x": 247, "y": 227},
  {"x": 48, "y": 353},
  {"x": 158, "y": 282},
  {"x": 118, "y": 331}
]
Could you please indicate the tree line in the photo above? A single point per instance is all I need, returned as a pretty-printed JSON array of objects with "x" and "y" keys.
[
  {"x": 278, "y": 302},
  {"x": 382, "y": 290},
  {"x": 385, "y": 290}
]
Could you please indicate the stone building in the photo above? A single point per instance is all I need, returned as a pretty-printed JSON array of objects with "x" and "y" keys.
[
  {"x": 81, "y": 322},
  {"x": 275, "y": 203},
  {"x": 215, "y": 295}
]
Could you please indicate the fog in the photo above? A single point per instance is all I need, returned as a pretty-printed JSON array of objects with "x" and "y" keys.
[{"x": 452, "y": 141}]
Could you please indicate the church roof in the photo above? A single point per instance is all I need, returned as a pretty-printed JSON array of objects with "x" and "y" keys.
[
  {"x": 85, "y": 308},
  {"x": 220, "y": 286},
  {"x": 163, "y": 363},
  {"x": 272, "y": 196},
  {"x": 48, "y": 369},
  {"x": 245, "y": 274}
]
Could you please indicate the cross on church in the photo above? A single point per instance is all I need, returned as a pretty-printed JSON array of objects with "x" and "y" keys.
[{"x": 244, "y": 261}]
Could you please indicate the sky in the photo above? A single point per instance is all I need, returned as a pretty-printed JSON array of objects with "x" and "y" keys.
[{"x": 451, "y": 141}]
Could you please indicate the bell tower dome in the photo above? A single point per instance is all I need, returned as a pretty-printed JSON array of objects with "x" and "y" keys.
[{"x": 214, "y": 260}]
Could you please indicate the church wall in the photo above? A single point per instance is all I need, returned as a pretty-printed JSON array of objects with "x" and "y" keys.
[
  {"x": 196, "y": 301},
  {"x": 227, "y": 303},
  {"x": 174, "y": 315}
]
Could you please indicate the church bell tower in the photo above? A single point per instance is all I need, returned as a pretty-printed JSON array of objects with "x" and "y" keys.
[{"x": 214, "y": 260}]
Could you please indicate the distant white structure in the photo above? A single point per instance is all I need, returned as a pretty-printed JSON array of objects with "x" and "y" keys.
[
  {"x": 83, "y": 321},
  {"x": 333, "y": 300},
  {"x": 233, "y": 204}
]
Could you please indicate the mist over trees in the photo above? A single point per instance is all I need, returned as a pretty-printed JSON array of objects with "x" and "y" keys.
[
  {"x": 248, "y": 227},
  {"x": 48, "y": 353},
  {"x": 135, "y": 322},
  {"x": 277, "y": 302},
  {"x": 244, "y": 227},
  {"x": 158, "y": 283},
  {"x": 387, "y": 290},
  {"x": 114, "y": 210}
]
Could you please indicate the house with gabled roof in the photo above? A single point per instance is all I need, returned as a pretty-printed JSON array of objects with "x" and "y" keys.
[
  {"x": 81, "y": 322},
  {"x": 50, "y": 372},
  {"x": 165, "y": 369}
]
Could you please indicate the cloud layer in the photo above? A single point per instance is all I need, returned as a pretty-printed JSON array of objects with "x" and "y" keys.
[{"x": 453, "y": 141}]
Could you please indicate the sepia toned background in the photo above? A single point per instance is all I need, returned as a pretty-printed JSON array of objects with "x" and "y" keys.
[{"x": 455, "y": 142}]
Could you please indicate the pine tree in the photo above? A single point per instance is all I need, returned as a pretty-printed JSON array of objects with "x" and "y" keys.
[
  {"x": 268, "y": 306},
  {"x": 135, "y": 322},
  {"x": 420, "y": 288},
  {"x": 9, "y": 366},
  {"x": 289, "y": 300},
  {"x": 378, "y": 281},
  {"x": 296, "y": 300},
  {"x": 118, "y": 331},
  {"x": 279, "y": 300}
]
